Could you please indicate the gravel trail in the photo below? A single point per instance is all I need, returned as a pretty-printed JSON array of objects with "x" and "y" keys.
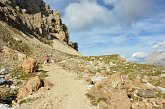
[{"x": 68, "y": 92}]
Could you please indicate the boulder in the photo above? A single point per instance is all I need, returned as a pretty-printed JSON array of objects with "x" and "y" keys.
[
  {"x": 117, "y": 99},
  {"x": 23, "y": 11},
  {"x": 2, "y": 80},
  {"x": 4, "y": 106},
  {"x": 30, "y": 65},
  {"x": 97, "y": 77},
  {"x": 33, "y": 85},
  {"x": 4, "y": 71},
  {"x": 111, "y": 92},
  {"x": 22, "y": 92},
  {"x": 47, "y": 84},
  {"x": 147, "y": 93}
]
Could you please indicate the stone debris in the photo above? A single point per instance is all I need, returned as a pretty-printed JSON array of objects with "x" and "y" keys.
[
  {"x": 133, "y": 83},
  {"x": 97, "y": 77}
]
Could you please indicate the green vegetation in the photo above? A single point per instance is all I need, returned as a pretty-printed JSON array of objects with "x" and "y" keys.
[
  {"x": 115, "y": 64},
  {"x": 6, "y": 94},
  {"x": 17, "y": 45},
  {"x": 28, "y": 100},
  {"x": 12, "y": 43},
  {"x": 93, "y": 99},
  {"x": 20, "y": 74},
  {"x": 161, "y": 95}
]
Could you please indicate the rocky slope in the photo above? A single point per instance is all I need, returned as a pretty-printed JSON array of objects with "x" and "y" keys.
[
  {"x": 35, "y": 18},
  {"x": 115, "y": 80}
]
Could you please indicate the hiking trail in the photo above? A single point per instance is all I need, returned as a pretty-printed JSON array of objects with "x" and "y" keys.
[{"x": 68, "y": 92}]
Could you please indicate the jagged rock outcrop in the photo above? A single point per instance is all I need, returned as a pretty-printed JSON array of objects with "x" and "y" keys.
[{"x": 35, "y": 17}]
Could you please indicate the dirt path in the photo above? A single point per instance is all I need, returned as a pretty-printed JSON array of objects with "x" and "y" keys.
[{"x": 67, "y": 92}]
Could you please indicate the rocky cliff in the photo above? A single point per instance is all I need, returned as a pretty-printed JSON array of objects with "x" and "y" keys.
[{"x": 34, "y": 17}]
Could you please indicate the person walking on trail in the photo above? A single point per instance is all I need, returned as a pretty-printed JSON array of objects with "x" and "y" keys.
[{"x": 46, "y": 58}]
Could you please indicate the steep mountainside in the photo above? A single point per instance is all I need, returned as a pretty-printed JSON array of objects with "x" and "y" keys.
[
  {"x": 34, "y": 17},
  {"x": 28, "y": 32}
]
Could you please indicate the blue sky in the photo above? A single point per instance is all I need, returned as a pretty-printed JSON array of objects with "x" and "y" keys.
[{"x": 131, "y": 28}]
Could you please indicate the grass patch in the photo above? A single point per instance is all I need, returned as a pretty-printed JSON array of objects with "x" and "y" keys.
[
  {"x": 41, "y": 73},
  {"x": 93, "y": 99},
  {"x": 29, "y": 100},
  {"x": 16, "y": 45},
  {"x": 161, "y": 95},
  {"x": 20, "y": 74}
]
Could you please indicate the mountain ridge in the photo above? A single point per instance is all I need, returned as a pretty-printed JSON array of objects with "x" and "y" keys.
[{"x": 35, "y": 18}]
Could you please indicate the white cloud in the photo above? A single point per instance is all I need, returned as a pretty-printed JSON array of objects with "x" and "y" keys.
[
  {"x": 160, "y": 45},
  {"x": 130, "y": 11},
  {"x": 88, "y": 13},
  {"x": 110, "y": 1},
  {"x": 139, "y": 55},
  {"x": 84, "y": 14}
]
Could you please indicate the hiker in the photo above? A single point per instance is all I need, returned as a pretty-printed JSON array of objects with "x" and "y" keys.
[{"x": 46, "y": 58}]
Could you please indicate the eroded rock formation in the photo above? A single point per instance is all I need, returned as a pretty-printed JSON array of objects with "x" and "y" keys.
[{"x": 35, "y": 17}]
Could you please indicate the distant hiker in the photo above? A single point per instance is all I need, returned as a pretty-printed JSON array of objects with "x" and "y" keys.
[
  {"x": 122, "y": 77},
  {"x": 46, "y": 59}
]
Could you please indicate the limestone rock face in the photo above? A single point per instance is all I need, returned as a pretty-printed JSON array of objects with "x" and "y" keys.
[{"x": 34, "y": 17}]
